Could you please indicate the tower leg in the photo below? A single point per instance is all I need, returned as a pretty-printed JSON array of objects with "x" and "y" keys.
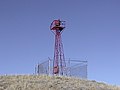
[{"x": 59, "y": 60}]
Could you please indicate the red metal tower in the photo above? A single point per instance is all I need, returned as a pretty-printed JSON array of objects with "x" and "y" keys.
[{"x": 59, "y": 64}]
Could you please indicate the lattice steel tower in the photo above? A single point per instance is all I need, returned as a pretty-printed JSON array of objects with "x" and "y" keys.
[{"x": 59, "y": 65}]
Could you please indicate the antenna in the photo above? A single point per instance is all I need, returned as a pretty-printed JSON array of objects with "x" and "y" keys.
[{"x": 57, "y": 27}]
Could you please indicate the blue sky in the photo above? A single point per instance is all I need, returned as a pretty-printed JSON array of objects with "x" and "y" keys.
[{"x": 92, "y": 33}]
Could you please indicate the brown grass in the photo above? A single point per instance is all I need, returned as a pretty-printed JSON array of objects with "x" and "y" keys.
[{"x": 43, "y": 82}]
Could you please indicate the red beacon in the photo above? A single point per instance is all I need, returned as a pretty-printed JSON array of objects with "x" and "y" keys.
[{"x": 57, "y": 25}]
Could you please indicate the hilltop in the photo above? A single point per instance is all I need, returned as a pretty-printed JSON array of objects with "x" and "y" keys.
[{"x": 43, "y": 82}]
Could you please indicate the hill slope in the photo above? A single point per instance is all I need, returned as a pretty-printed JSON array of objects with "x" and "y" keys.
[{"x": 35, "y": 82}]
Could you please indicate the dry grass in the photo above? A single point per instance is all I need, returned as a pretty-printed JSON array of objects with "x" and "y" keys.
[{"x": 42, "y": 82}]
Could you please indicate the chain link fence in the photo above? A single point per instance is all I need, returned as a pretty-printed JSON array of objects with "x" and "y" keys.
[{"x": 74, "y": 68}]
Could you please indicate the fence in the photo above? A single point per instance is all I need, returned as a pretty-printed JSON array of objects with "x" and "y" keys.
[{"x": 74, "y": 68}]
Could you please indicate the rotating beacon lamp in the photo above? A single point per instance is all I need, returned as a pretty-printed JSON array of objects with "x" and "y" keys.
[{"x": 57, "y": 27}]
